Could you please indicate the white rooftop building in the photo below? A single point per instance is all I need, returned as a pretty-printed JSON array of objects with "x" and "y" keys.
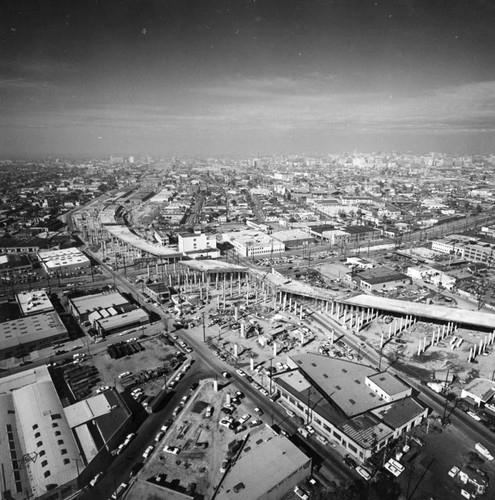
[{"x": 63, "y": 260}]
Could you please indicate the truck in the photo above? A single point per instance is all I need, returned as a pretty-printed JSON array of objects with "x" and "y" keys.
[{"x": 438, "y": 387}]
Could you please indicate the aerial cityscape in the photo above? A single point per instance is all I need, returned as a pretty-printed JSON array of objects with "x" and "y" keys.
[{"x": 247, "y": 250}]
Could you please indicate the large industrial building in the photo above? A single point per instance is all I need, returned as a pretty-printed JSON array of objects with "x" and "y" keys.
[
  {"x": 21, "y": 336},
  {"x": 251, "y": 243},
  {"x": 294, "y": 238},
  {"x": 268, "y": 468},
  {"x": 360, "y": 408},
  {"x": 81, "y": 307},
  {"x": 69, "y": 259},
  {"x": 45, "y": 447}
]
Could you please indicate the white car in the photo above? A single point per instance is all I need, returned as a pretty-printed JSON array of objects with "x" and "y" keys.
[
  {"x": 225, "y": 422},
  {"x": 310, "y": 429},
  {"x": 454, "y": 471},
  {"x": 120, "y": 448},
  {"x": 259, "y": 411},
  {"x": 483, "y": 451},
  {"x": 322, "y": 439},
  {"x": 264, "y": 392},
  {"x": 124, "y": 374},
  {"x": 129, "y": 438},
  {"x": 171, "y": 449},
  {"x": 225, "y": 464},
  {"x": 244, "y": 418},
  {"x": 95, "y": 479},
  {"x": 241, "y": 373},
  {"x": 473, "y": 415},
  {"x": 365, "y": 473},
  {"x": 301, "y": 493},
  {"x": 101, "y": 389},
  {"x": 159, "y": 436},
  {"x": 148, "y": 452}
]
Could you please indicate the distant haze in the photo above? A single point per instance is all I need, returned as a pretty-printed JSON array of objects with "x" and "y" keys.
[{"x": 137, "y": 77}]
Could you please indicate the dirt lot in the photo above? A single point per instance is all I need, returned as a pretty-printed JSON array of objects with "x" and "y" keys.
[
  {"x": 436, "y": 358},
  {"x": 155, "y": 355}
]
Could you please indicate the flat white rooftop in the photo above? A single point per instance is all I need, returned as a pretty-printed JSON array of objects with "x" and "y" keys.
[{"x": 34, "y": 302}]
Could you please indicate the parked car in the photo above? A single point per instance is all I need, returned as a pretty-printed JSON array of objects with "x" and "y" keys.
[
  {"x": 171, "y": 449},
  {"x": 148, "y": 451},
  {"x": 224, "y": 466},
  {"x": 365, "y": 473}
]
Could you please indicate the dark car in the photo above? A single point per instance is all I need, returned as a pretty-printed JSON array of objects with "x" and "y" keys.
[
  {"x": 136, "y": 468},
  {"x": 350, "y": 462}
]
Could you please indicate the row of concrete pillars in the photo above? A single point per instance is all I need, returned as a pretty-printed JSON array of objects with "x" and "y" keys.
[
  {"x": 480, "y": 348},
  {"x": 437, "y": 335}
]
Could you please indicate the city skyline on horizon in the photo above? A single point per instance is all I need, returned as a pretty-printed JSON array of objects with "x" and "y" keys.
[{"x": 234, "y": 78}]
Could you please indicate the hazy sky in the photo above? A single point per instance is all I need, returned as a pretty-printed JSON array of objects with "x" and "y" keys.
[{"x": 104, "y": 77}]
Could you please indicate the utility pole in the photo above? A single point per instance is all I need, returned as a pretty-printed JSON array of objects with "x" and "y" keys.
[{"x": 204, "y": 328}]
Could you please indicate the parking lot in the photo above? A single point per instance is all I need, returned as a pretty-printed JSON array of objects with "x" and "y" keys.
[{"x": 200, "y": 440}]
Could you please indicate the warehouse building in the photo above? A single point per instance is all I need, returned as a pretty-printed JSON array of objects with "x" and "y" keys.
[
  {"x": 69, "y": 259},
  {"x": 294, "y": 238},
  {"x": 22, "y": 336},
  {"x": 248, "y": 479},
  {"x": 120, "y": 322},
  {"x": 40, "y": 457},
  {"x": 378, "y": 278},
  {"x": 82, "y": 307},
  {"x": 251, "y": 243},
  {"x": 353, "y": 404},
  {"x": 50, "y": 451}
]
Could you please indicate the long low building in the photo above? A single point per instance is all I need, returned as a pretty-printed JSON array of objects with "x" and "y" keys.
[
  {"x": 21, "y": 336},
  {"x": 121, "y": 322},
  {"x": 353, "y": 404},
  {"x": 39, "y": 452}
]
